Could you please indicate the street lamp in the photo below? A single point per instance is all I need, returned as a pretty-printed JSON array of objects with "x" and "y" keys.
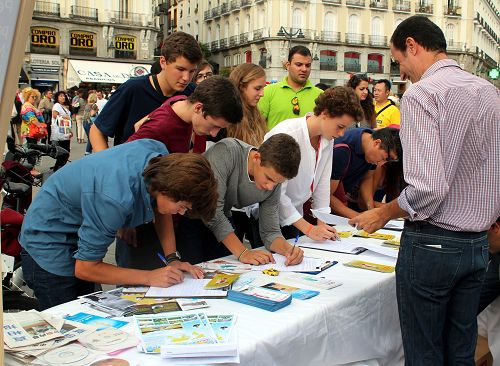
[{"x": 290, "y": 34}]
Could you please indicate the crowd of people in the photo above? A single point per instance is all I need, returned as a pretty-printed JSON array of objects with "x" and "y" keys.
[{"x": 202, "y": 163}]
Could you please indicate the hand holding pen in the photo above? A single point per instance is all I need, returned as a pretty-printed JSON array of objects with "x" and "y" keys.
[
  {"x": 296, "y": 255},
  {"x": 322, "y": 232}
]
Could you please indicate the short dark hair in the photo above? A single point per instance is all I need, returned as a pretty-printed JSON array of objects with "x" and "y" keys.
[
  {"x": 47, "y": 91},
  {"x": 282, "y": 153},
  {"x": 338, "y": 101},
  {"x": 390, "y": 140},
  {"x": 184, "y": 177},
  {"x": 220, "y": 98},
  {"x": 301, "y": 50},
  {"x": 386, "y": 82},
  {"x": 181, "y": 44},
  {"x": 422, "y": 30}
]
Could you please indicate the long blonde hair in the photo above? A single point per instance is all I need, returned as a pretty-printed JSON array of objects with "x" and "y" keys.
[{"x": 252, "y": 127}]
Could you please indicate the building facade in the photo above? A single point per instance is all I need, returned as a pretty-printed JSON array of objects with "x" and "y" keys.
[
  {"x": 89, "y": 41},
  {"x": 344, "y": 36}
]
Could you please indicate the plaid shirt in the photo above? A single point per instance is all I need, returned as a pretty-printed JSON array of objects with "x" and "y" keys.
[{"x": 450, "y": 132}]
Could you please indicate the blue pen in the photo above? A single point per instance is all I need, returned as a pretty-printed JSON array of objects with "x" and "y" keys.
[
  {"x": 162, "y": 258},
  {"x": 295, "y": 242}
]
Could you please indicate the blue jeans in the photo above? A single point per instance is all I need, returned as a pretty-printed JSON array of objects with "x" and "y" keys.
[
  {"x": 438, "y": 277},
  {"x": 491, "y": 285},
  {"x": 51, "y": 289}
]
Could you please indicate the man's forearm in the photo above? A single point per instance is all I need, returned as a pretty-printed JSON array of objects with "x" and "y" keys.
[
  {"x": 392, "y": 210},
  {"x": 99, "y": 272},
  {"x": 233, "y": 244},
  {"x": 98, "y": 140},
  {"x": 339, "y": 208},
  {"x": 281, "y": 246}
]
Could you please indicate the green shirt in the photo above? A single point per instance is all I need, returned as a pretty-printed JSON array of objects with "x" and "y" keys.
[{"x": 276, "y": 104}]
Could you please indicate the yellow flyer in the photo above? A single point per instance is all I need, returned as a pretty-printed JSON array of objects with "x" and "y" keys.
[
  {"x": 370, "y": 266},
  {"x": 374, "y": 235}
]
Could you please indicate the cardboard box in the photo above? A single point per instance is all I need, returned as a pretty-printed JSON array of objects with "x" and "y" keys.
[{"x": 483, "y": 355}]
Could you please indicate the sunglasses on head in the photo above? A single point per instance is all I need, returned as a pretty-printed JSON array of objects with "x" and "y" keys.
[{"x": 295, "y": 105}]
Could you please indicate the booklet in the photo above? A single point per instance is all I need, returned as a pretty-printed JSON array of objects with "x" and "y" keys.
[
  {"x": 312, "y": 281},
  {"x": 27, "y": 328},
  {"x": 107, "y": 302},
  {"x": 225, "y": 266},
  {"x": 261, "y": 297}
]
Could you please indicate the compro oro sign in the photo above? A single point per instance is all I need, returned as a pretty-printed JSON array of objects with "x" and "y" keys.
[
  {"x": 82, "y": 43},
  {"x": 102, "y": 72},
  {"x": 44, "y": 40},
  {"x": 125, "y": 46}
]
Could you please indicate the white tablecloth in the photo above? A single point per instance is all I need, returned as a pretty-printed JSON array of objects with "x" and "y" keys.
[{"x": 355, "y": 323}]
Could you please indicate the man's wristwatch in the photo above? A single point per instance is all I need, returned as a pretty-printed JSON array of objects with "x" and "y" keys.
[{"x": 175, "y": 256}]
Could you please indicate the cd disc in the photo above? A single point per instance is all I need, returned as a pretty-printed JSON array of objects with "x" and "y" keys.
[
  {"x": 111, "y": 362},
  {"x": 66, "y": 355},
  {"x": 106, "y": 337}
]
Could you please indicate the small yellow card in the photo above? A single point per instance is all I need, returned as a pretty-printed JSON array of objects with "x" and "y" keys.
[
  {"x": 344, "y": 234},
  {"x": 370, "y": 266},
  {"x": 394, "y": 241},
  {"x": 374, "y": 235},
  {"x": 221, "y": 280}
]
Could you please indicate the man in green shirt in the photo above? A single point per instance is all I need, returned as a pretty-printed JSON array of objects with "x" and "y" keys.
[{"x": 294, "y": 95}]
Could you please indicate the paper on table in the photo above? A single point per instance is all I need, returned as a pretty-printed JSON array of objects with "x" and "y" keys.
[
  {"x": 343, "y": 246},
  {"x": 330, "y": 219},
  {"x": 190, "y": 287},
  {"x": 307, "y": 265},
  {"x": 378, "y": 248},
  {"x": 395, "y": 225}
]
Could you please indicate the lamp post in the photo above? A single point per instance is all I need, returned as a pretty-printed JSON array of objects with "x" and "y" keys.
[{"x": 293, "y": 33}]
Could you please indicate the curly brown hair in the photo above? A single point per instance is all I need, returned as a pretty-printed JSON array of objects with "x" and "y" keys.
[
  {"x": 338, "y": 101},
  {"x": 185, "y": 177}
]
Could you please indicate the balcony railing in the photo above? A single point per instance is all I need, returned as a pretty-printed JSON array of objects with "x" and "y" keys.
[
  {"x": 245, "y": 3},
  {"x": 328, "y": 66},
  {"x": 403, "y": 6},
  {"x": 216, "y": 11},
  {"x": 355, "y": 2},
  {"x": 453, "y": 11},
  {"x": 235, "y": 5},
  {"x": 354, "y": 38},
  {"x": 214, "y": 46},
  {"x": 244, "y": 38},
  {"x": 334, "y": 2},
  {"x": 375, "y": 69},
  {"x": 223, "y": 43},
  {"x": 224, "y": 8},
  {"x": 234, "y": 41},
  {"x": 47, "y": 8},
  {"x": 258, "y": 34},
  {"x": 127, "y": 18},
  {"x": 330, "y": 36},
  {"x": 377, "y": 40},
  {"x": 378, "y": 4},
  {"x": 424, "y": 8},
  {"x": 352, "y": 67},
  {"x": 81, "y": 12},
  {"x": 161, "y": 9},
  {"x": 207, "y": 15}
]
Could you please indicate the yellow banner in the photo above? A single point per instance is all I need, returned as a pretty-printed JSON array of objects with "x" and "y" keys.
[
  {"x": 82, "y": 40},
  {"x": 125, "y": 43},
  {"x": 41, "y": 36}
]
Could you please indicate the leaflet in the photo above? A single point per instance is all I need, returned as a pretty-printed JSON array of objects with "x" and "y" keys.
[
  {"x": 307, "y": 265},
  {"x": 27, "y": 328}
]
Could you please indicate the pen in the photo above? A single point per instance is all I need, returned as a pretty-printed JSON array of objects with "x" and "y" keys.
[
  {"x": 295, "y": 242},
  {"x": 162, "y": 258}
]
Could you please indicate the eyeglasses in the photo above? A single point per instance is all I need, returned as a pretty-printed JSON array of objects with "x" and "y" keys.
[
  {"x": 296, "y": 106},
  {"x": 204, "y": 76}
]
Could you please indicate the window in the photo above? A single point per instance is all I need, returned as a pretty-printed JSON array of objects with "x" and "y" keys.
[
  {"x": 351, "y": 62},
  {"x": 377, "y": 26},
  {"x": 328, "y": 60},
  {"x": 297, "y": 21},
  {"x": 353, "y": 24},
  {"x": 375, "y": 63}
]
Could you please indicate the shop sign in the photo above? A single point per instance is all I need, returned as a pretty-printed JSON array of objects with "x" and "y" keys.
[
  {"x": 80, "y": 39},
  {"x": 125, "y": 43},
  {"x": 46, "y": 37}
]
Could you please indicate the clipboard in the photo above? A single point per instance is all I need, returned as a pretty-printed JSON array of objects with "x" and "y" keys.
[{"x": 326, "y": 265}]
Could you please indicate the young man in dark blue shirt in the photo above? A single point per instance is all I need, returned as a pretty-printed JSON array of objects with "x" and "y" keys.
[
  {"x": 355, "y": 157},
  {"x": 138, "y": 97}
]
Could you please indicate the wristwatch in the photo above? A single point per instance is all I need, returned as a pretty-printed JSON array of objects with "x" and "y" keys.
[{"x": 175, "y": 256}]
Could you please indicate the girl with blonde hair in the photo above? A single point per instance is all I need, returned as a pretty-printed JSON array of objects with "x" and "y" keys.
[
  {"x": 33, "y": 125},
  {"x": 250, "y": 79}
]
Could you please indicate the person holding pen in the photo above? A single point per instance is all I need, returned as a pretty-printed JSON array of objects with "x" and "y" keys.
[
  {"x": 76, "y": 214},
  {"x": 335, "y": 110}
]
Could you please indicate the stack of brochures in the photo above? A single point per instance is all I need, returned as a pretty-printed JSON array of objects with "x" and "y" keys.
[
  {"x": 188, "y": 338},
  {"x": 261, "y": 297},
  {"x": 108, "y": 303}
]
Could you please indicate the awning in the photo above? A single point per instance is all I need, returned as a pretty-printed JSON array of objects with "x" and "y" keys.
[{"x": 103, "y": 72}]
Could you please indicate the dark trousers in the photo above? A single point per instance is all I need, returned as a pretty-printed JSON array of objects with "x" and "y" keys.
[
  {"x": 248, "y": 227},
  {"x": 51, "y": 289},
  {"x": 145, "y": 255},
  {"x": 439, "y": 274},
  {"x": 491, "y": 284},
  {"x": 196, "y": 243},
  {"x": 86, "y": 127}
]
